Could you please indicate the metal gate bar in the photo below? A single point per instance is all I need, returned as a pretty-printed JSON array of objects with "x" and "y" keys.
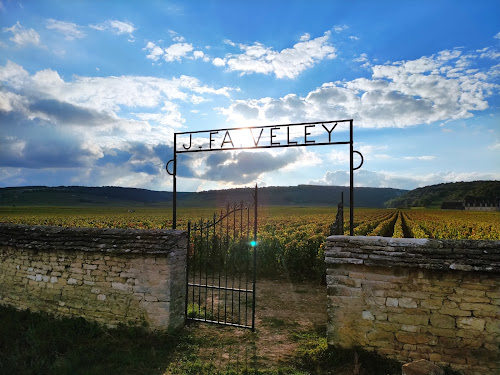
[{"x": 221, "y": 274}]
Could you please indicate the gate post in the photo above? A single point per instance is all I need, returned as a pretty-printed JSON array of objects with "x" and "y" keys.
[
  {"x": 351, "y": 181},
  {"x": 256, "y": 203},
  {"x": 187, "y": 270}
]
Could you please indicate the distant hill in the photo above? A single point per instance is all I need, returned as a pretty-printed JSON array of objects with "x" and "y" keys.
[
  {"x": 435, "y": 195},
  {"x": 302, "y": 195}
]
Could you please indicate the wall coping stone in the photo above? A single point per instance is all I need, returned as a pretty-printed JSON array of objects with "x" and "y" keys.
[
  {"x": 105, "y": 240},
  {"x": 458, "y": 255}
]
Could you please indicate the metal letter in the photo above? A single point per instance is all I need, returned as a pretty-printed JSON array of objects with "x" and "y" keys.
[
  {"x": 258, "y": 139},
  {"x": 224, "y": 140},
  {"x": 306, "y": 134},
  {"x": 272, "y": 136},
  {"x": 288, "y": 136},
  {"x": 211, "y": 140},
  {"x": 329, "y": 131},
  {"x": 187, "y": 148}
]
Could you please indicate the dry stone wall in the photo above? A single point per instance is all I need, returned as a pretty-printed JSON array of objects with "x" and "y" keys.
[
  {"x": 412, "y": 299},
  {"x": 111, "y": 276}
]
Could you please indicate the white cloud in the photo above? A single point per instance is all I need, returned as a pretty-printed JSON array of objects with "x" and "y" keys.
[
  {"x": 170, "y": 115},
  {"x": 424, "y": 157},
  {"x": 71, "y": 130},
  {"x": 174, "y": 52},
  {"x": 441, "y": 87},
  {"x": 116, "y": 27},
  {"x": 198, "y": 54},
  {"x": 155, "y": 52},
  {"x": 93, "y": 105},
  {"x": 196, "y": 99},
  {"x": 362, "y": 58},
  {"x": 218, "y": 62},
  {"x": 305, "y": 37},
  {"x": 497, "y": 36},
  {"x": 119, "y": 27},
  {"x": 69, "y": 29},
  {"x": 248, "y": 166},
  {"x": 10, "y": 102},
  {"x": 177, "y": 51},
  {"x": 339, "y": 157},
  {"x": 288, "y": 63},
  {"x": 21, "y": 36},
  {"x": 352, "y": 37},
  {"x": 496, "y": 146},
  {"x": 339, "y": 28},
  {"x": 490, "y": 54},
  {"x": 176, "y": 37}
]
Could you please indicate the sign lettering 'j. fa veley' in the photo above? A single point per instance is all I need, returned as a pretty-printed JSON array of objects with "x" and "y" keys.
[
  {"x": 260, "y": 137},
  {"x": 271, "y": 136}
]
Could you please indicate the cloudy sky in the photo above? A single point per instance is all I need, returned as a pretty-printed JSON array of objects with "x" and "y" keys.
[{"x": 91, "y": 92}]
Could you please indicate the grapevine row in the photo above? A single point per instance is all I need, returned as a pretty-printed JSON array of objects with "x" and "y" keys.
[{"x": 386, "y": 227}]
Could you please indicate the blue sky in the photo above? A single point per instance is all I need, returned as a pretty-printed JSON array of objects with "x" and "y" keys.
[{"x": 91, "y": 92}]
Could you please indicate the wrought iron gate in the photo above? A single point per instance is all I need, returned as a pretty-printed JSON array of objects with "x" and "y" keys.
[{"x": 221, "y": 273}]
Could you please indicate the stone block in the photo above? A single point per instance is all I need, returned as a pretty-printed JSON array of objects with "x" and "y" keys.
[
  {"x": 455, "y": 312},
  {"x": 408, "y": 303},
  {"x": 378, "y": 301},
  {"x": 392, "y": 302},
  {"x": 339, "y": 290},
  {"x": 442, "y": 332},
  {"x": 390, "y": 327},
  {"x": 410, "y": 319},
  {"x": 493, "y": 327},
  {"x": 469, "y": 299},
  {"x": 410, "y": 328},
  {"x": 471, "y": 323},
  {"x": 416, "y": 338},
  {"x": 468, "y": 333},
  {"x": 367, "y": 315},
  {"x": 422, "y": 367},
  {"x": 381, "y": 316},
  {"x": 435, "y": 357},
  {"x": 442, "y": 321},
  {"x": 378, "y": 336},
  {"x": 432, "y": 303},
  {"x": 470, "y": 343}
]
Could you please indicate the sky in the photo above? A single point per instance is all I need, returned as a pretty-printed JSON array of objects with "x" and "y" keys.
[{"x": 92, "y": 92}]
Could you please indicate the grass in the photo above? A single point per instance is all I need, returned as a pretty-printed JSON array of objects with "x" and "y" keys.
[{"x": 37, "y": 343}]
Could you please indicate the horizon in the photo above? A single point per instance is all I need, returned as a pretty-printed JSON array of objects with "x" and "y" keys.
[
  {"x": 198, "y": 191},
  {"x": 92, "y": 93},
  {"x": 240, "y": 187}
]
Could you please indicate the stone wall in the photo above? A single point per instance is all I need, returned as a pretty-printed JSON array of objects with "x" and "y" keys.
[
  {"x": 413, "y": 299},
  {"x": 111, "y": 276}
]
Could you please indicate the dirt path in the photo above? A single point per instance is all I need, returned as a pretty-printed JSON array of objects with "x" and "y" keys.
[{"x": 283, "y": 309}]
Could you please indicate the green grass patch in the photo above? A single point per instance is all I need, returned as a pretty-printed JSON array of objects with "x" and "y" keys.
[
  {"x": 196, "y": 311},
  {"x": 315, "y": 356},
  {"x": 36, "y": 343}
]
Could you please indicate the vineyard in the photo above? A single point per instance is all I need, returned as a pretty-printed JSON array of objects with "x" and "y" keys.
[{"x": 290, "y": 238}]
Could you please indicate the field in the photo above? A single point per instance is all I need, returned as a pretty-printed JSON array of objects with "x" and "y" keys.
[
  {"x": 290, "y": 238},
  {"x": 282, "y": 221}
]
